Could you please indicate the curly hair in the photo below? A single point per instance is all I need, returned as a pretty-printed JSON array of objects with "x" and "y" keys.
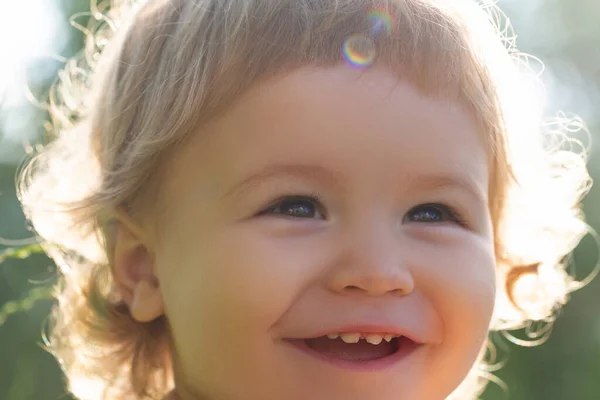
[{"x": 152, "y": 72}]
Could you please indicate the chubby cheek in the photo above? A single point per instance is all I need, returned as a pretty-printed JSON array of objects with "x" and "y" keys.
[
  {"x": 233, "y": 281},
  {"x": 466, "y": 290},
  {"x": 460, "y": 282},
  {"x": 258, "y": 274}
]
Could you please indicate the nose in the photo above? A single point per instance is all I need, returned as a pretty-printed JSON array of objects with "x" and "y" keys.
[{"x": 370, "y": 262}]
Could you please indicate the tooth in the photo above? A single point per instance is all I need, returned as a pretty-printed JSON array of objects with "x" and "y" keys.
[
  {"x": 388, "y": 338},
  {"x": 350, "y": 337},
  {"x": 374, "y": 339},
  {"x": 333, "y": 336}
]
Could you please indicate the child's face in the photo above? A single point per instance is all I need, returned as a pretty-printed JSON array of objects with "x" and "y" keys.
[{"x": 249, "y": 259}]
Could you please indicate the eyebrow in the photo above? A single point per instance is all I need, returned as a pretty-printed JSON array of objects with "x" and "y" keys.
[
  {"x": 331, "y": 178},
  {"x": 449, "y": 181},
  {"x": 312, "y": 172}
]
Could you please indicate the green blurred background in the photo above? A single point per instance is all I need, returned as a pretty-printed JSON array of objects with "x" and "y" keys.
[{"x": 564, "y": 34}]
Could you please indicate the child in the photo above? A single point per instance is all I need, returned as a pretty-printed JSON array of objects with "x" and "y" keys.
[{"x": 299, "y": 199}]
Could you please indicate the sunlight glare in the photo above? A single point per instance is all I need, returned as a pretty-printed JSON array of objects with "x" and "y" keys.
[{"x": 29, "y": 29}]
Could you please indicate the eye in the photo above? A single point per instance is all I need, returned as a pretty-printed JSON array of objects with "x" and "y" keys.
[
  {"x": 306, "y": 207},
  {"x": 433, "y": 213}
]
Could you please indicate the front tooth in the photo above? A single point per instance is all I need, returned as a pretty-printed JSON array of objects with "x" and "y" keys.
[
  {"x": 333, "y": 336},
  {"x": 350, "y": 337},
  {"x": 388, "y": 338},
  {"x": 374, "y": 339}
]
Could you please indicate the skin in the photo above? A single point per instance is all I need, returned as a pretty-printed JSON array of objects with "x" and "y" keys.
[{"x": 238, "y": 275}]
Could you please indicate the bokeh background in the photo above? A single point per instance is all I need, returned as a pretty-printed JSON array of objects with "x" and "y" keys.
[{"x": 564, "y": 34}]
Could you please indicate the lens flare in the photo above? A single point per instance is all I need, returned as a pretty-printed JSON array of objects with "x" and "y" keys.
[
  {"x": 381, "y": 22},
  {"x": 359, "y": 51}
]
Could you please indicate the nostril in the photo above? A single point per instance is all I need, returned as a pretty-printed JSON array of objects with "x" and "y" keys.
[{"x": 396, "y": 292}]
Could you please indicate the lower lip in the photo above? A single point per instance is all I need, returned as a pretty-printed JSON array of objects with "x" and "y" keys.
[{"x": 403, "y": 355}]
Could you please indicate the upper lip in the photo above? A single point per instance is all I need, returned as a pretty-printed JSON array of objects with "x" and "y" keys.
[{"x": 408, "y": 316}]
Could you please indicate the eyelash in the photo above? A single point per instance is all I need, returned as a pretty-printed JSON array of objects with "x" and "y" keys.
[
  {"x": 310, "y": 198},
  {"x": 451, "y": 213},
  {"x": 445, "y": 210}
]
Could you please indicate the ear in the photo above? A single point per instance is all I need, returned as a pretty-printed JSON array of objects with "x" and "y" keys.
[{"x": 132, "y": 264}]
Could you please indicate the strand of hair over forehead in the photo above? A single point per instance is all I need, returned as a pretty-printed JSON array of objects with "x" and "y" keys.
[
  {"x": 106, "y": 16},
  {"x": 66, "y": 97}
]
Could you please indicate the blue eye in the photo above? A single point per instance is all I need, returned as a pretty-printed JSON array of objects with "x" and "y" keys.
[
  {"x": 433, "y": 213},
  {"x": 305, "y": 207}
]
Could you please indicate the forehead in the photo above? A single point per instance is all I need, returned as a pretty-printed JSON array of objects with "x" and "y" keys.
[{"x": 365, "y": 123}]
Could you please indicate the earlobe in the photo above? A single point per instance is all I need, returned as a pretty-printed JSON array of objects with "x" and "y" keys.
[
  {"x": 147, "y": 304},
  {"x": 132, "y": 264}
]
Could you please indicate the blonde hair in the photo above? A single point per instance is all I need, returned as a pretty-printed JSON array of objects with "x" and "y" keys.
[{"x": 152, "y": 74}]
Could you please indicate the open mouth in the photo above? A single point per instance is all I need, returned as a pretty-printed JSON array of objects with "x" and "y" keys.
[{"x": 357, "y": 348}]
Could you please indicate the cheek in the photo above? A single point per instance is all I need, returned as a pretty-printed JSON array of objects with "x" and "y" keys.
[
  {"x": 460, "y": 281},
  {"x": 460, "y": 274},
  {"x": 224, "y": 284},
  {"x": 470, "y": 304},
  {"x": 246, "y": 278}
]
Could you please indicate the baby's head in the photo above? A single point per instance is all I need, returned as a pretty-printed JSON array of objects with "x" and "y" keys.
[{"x": 250, "y": 186}]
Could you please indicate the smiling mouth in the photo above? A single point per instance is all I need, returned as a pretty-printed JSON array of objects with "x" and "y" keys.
[{"x": 360, "y": 351}]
